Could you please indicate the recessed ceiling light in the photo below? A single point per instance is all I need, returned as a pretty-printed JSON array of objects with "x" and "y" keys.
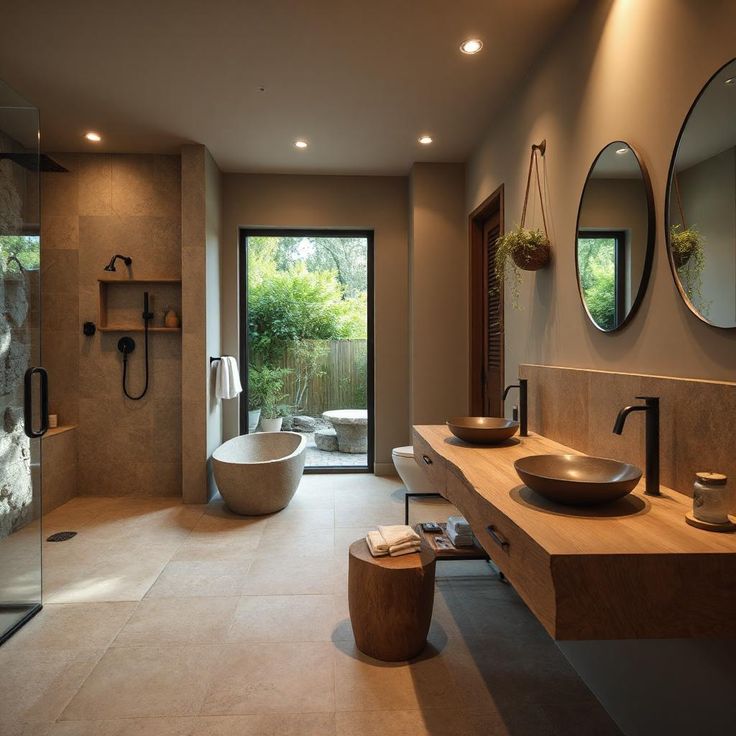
[
  {"x": 730, "y": 80},
  {"x": 471, "y": 46},
  {"x": 425, "y": 140},
  {"x": 622, "y": 151},
  {"x": 301, "y": 144},
  {"x": 92, "y": 136}
]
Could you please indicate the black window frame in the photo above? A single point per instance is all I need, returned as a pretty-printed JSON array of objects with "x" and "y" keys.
[
  {"x": 244, "y": 234},
  {"x": 620, "y": 238}
]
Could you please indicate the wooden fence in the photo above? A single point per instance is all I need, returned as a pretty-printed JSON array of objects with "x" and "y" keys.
[{"x": 342, "y": 376}]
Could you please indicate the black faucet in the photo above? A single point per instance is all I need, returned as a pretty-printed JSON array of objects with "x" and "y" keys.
[
  {"x": 522, "y": 404},
  {"x": 651, "y": 407}
]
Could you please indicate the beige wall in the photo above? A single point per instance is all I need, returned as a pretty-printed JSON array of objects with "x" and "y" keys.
[
  {"x": 438, "y": 258},
  {"x": 110, "y": 204},
  {"x": 201, "y": 421},
  {"x": 621, "y": 70},
  {"x": 372, "y": 203},
  {"x": 213, "y": 241}
]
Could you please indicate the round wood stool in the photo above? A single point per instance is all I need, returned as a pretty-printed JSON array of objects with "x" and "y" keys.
[{"x": 390, "y": 601}]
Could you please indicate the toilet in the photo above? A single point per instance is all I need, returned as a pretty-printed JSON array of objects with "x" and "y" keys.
[{"x": 410, "y": 472}]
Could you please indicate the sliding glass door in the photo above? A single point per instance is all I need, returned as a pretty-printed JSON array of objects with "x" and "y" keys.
[{"x": 307, "y": 343}]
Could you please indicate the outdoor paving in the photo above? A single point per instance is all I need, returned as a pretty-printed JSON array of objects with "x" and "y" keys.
[{"x": 320, "y": 459}]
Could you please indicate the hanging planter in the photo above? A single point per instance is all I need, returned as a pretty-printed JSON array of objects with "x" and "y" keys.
[{"x": 524, "y": 249}]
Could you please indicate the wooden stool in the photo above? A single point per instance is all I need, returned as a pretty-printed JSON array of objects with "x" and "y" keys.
[{"x": 390, "y": 601}]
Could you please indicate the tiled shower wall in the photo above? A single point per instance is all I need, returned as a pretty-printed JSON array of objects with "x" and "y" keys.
[
  {"x": 578, "y": 407},
  {"x": 109, "y": 204}
]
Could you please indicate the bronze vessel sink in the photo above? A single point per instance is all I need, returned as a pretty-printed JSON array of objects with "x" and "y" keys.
[
  {"x": 577, "y": 480},
  {"x": 482, "y": 430}
]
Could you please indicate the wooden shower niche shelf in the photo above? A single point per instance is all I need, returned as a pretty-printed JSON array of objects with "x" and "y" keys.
[
  {"x": 632, "y": 569},
  {"x": 120, "y": 303}
]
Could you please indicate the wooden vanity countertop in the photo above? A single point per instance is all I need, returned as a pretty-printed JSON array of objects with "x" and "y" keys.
[{"x": 629, "y": 569}]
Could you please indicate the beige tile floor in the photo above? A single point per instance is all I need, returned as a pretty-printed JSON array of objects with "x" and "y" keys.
[{"x": 169, "y": 620}]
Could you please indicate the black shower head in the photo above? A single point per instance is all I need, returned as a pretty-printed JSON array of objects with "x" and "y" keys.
[{"x": 111, "y": 266}]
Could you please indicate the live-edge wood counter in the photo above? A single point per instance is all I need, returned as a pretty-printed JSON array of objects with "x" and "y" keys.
[{"x": 631, "y": 569}]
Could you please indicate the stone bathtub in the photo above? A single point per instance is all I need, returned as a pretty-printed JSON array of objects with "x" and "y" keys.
[{"x": 259, "y": 473}]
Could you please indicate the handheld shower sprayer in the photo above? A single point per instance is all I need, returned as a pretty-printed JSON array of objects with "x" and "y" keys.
[
  {"x": 127, "y": 260},
  {"x": 126, "y": 345}
]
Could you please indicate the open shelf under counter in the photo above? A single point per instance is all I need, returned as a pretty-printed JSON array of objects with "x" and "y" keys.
[
  {"x": 120, "y": 303},
  {"x": 632, "y": 569}
]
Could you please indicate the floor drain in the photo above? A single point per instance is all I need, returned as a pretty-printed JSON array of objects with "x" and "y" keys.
[{"x": 61, "y": 536}]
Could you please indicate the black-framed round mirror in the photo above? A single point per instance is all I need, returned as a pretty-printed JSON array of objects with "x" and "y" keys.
[
  {"x": 614, "y": 239},
  {"x": 701, "y": 203}
]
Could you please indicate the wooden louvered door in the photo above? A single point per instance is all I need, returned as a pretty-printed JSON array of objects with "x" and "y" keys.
[
  {"x": 493, "y": 328},
  {"x": 486, "y": 310}
]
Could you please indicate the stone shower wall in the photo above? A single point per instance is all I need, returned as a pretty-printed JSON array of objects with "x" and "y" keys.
[{"x": 107, "y": 204}]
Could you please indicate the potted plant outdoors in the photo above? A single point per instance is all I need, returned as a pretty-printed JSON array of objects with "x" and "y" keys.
[
  {"x": 520, "y": 250},
  {"x": 272, "y": 387},
  {"x": 255, "y": 398}
]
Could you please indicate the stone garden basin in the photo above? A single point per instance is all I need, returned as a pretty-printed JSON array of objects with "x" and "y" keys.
[{"x": 351, "y": 427}]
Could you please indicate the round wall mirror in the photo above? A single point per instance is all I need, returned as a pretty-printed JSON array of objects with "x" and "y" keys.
[
  {"x": 701, "y": 203},
  {"x": 615, "y": 237}
]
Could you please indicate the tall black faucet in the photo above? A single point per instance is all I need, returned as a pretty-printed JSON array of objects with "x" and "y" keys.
[
  {"x": 651, "y": 407},
  {"x": 522, "y": 404}
]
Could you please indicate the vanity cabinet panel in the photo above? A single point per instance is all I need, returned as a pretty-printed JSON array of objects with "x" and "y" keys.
[{"x": 433, "y": 463}]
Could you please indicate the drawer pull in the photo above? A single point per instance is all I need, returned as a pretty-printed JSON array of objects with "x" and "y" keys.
[
  {"x": 427, "y": 459},
  {"x": 498, "y": 538}
]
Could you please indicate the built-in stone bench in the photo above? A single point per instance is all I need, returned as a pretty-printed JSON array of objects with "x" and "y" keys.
[
  {"x": 326, "y": 439},
  {"x": 351, "y": 427}
]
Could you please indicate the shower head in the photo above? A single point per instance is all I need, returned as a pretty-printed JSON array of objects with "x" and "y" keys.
[{"x": 111, "y": 266}]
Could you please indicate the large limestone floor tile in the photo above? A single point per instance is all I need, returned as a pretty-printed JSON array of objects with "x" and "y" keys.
[
  {"x": 363, "y": 683},
  {"x": 168, "y": 620},
  {"x": 37, "y": 684},
  {"x": 209, "y": 578},
  {"x": 131, "y": 682},
  {"x": 420, "y": 723},
  {"x": 72, "y": 626},
  {"x": 301, "y": 520},
  {"x": 275, "y": 677},
  {"x": 284, "y": 618},
  {"x": 212, "y": 548},
  {"x": 262, "y": 724},
  {"x": 102, "y": 572},
  {"x": 297, "y": 542},
  {"x": 291, "y": 576}
]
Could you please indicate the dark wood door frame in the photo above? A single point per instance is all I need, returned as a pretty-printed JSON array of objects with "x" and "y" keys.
[{"x": 482, "y": 404}]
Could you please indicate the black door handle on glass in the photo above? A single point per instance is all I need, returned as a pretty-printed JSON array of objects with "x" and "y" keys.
[{"x": 28, "y": 402}]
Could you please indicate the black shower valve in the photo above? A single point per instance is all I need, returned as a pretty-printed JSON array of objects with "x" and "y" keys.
[{"x": 89, "y": 329}]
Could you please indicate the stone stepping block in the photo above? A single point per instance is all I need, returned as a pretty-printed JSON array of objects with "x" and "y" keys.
[{"x": 326, "y": 439}]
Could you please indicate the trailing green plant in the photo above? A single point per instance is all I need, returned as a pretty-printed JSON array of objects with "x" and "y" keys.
[
  {"x": 266, "y": 389},
  {"x": 688, "y": 255},
  {"x": 517, "y": 250}
]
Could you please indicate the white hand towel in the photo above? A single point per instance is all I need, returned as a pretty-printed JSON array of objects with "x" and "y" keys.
[
  {"x": 398, "y": 534},
  {"x": 376, "y": 544},
  {"x": 404, "y": 549},
  {"x": 227, "y": 379}
]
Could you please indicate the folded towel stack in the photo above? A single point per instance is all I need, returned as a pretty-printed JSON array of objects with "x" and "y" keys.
[
  {"x": 459, "y": 531},
  {"x": 393, "y": 540}
]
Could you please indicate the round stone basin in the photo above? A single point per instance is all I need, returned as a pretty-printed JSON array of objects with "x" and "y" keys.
[
  {"x": 577, "y": 480},
  {"x": 351, "y": 428}
]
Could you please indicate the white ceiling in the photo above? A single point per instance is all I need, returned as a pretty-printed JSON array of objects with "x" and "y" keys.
[{"x": 359, "y": 80}]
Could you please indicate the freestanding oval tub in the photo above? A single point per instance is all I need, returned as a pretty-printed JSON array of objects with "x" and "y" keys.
[{"x": 259, "y": 473}]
